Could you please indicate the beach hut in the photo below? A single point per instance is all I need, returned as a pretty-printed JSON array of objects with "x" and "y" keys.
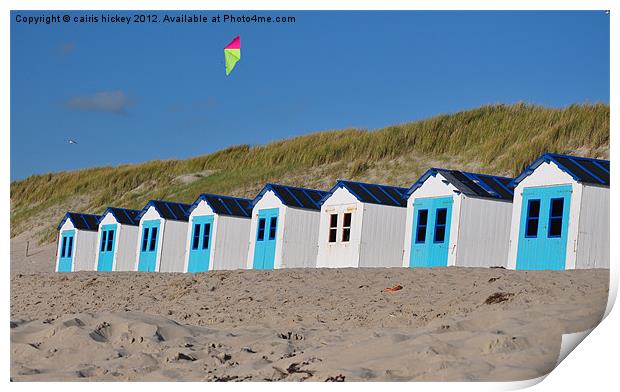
[
  {"x": 362, "y": 225},
  {"x": 560, "y": 216},
  {"x": 118, "y": 235},
  {"x": 163, "y": 234},
  {"x": 77, "y": 242},
  {"x": 217, "y": 236},
  {"x": 284, "y": 227},
  {"x": 456, "y": 218}
]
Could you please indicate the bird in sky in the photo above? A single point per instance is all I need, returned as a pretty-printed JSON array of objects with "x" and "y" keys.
[{"x": 71, "y": 141}]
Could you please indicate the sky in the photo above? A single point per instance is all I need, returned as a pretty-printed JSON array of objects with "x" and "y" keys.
[{"x": 129, "y": 93}]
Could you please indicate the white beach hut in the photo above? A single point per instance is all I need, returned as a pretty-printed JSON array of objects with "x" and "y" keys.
[
  {"x": 77, "y": 242},
  {"x": 457, "y": 218},
  {"x": 163, "y": 235},
  {"x": 284, "y": 227},
  {"x": 218, "y": 233},
  {"x": 362, "y": 225},
  {"x": 560, "y": 216},
  {"x": 118, "y": 235}
]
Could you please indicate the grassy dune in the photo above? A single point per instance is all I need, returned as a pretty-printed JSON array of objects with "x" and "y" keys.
[{"x": 498, "y": 139}]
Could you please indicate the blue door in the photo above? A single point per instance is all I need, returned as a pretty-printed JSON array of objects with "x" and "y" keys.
[
  {"x": 543, "y": 229},
  {"x": 200, "y": 244},
  {"x": 65, "y": 257},
  {"x": 430, "y": 236},
  {"x": 107, "y": 243},
  {"x": 265, "y": 246},
  {"x": 148, "y": 246}
]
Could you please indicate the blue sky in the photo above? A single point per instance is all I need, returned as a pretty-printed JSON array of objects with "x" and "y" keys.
[{"x": 131, "y": 93}]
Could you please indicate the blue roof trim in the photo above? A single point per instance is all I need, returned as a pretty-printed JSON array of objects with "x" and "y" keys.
[
  {"x": 364, "y": 186},
  {"x": 83, "y": 223},
  {"x": 111, "y": 210},
  {"x": 476, "y": 178},
  {"x": 270, "y": 187},
  {"x": 502, "y": 185},
  {"x": 151, "y": 203},
  {"x": 204, "y": 197},
  {"x": 549, "y": 157},
  {"x": 597, "y": 163}
]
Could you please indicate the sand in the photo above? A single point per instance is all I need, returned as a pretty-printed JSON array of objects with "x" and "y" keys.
[{"x": 293, "y": 325}]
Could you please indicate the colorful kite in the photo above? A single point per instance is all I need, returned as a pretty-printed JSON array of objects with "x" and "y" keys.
[{"x": 232, "y": 54}]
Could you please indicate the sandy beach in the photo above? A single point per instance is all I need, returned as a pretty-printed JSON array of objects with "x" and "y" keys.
[{"x": 292, "y": 325}]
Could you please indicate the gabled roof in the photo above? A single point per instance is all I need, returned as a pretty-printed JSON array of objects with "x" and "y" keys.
[
  {"x": 293, "y": 196},
  {"x": 81, "y": 221},
  {"x": 123, "y": 216},
  {"x": 471, "y": 184},
  {"x": 371, "y": 193},
  {"x": 168, "y": 210},
  {"x": 584, "y": 170},
  {"x": 225, "y": 205}
]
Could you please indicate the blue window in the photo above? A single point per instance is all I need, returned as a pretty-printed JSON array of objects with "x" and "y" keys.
[
  {"x": 63, "y": 246},
  {"x": 440, "y": 225},
  {"x": 533, "y": 215},
  {"x": 205, "y": 235},
  {"x": 153, "y": 238},
  {"x": 261, "y": 229},
  {"x": 104, "y": 236},
  {"x": 145, "y": 239},
  {"x": 420, "y": 233},
  {"x": 110, "y": 240},
  {"x": 196, "y": 238},
  {"x": 556, "y": 211},
  {"x": 272, "y": 227},
  {"x": 70, "y": 247}
]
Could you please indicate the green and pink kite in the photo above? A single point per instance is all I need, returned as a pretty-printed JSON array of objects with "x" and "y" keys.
[{"x": 232, "y": 54}]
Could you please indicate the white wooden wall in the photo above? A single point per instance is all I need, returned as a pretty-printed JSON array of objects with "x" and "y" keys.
[
  {"x": 231, "y": 242},
  {"x": 484, "y": 233},
  {"x": 173, "y": 237},
  {"x": 85, "y": 249},
  {"x": 383, "y": 233},
  {"x": 300, "y": 232},
  {"x": 593, "y": 237}
]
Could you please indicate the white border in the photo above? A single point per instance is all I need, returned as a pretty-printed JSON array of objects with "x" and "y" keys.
[{"x": 592, "y": 366}]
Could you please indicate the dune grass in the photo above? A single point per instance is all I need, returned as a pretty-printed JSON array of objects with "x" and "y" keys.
[{"x": 501, "y": 139}]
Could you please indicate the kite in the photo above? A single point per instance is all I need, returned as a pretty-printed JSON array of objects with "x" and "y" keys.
[{"x": 232, "y": 54}]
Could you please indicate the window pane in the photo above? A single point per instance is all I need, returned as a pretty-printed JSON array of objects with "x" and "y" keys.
[
  {"x": 104, "y": 237},
  {"x": 110, "y": 240},
  {"x": 153, "y": 238},
  {"x": 63, "y": 246},
  {"x": 70, "y": 247},
  {"x": 333, "y": 220},
  {"x": 196, "y": 238},
  {"x": 420, "y": 235},
  {"x": 261, "y": 229},
  {"x": 205, "y": 235},
  {"x": 332, "y": 234},
  {"x": 533, "y": 212},
  {"x": 533, "y": 209},
  {"x": 346, "y": 234},
  {"x": 347, "y": 220},
  {"x": 555, "y": 227},
  {"x": 145, "y": 239},
  {"x": 532, "y": 228},
  {"x": 442, "y": 213},
  {"x": 272, "y": 228},
  {"x": 557, "y": 207},
  {"x": 440, "y": 234},
  {"x": 422, "y": 217}
]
